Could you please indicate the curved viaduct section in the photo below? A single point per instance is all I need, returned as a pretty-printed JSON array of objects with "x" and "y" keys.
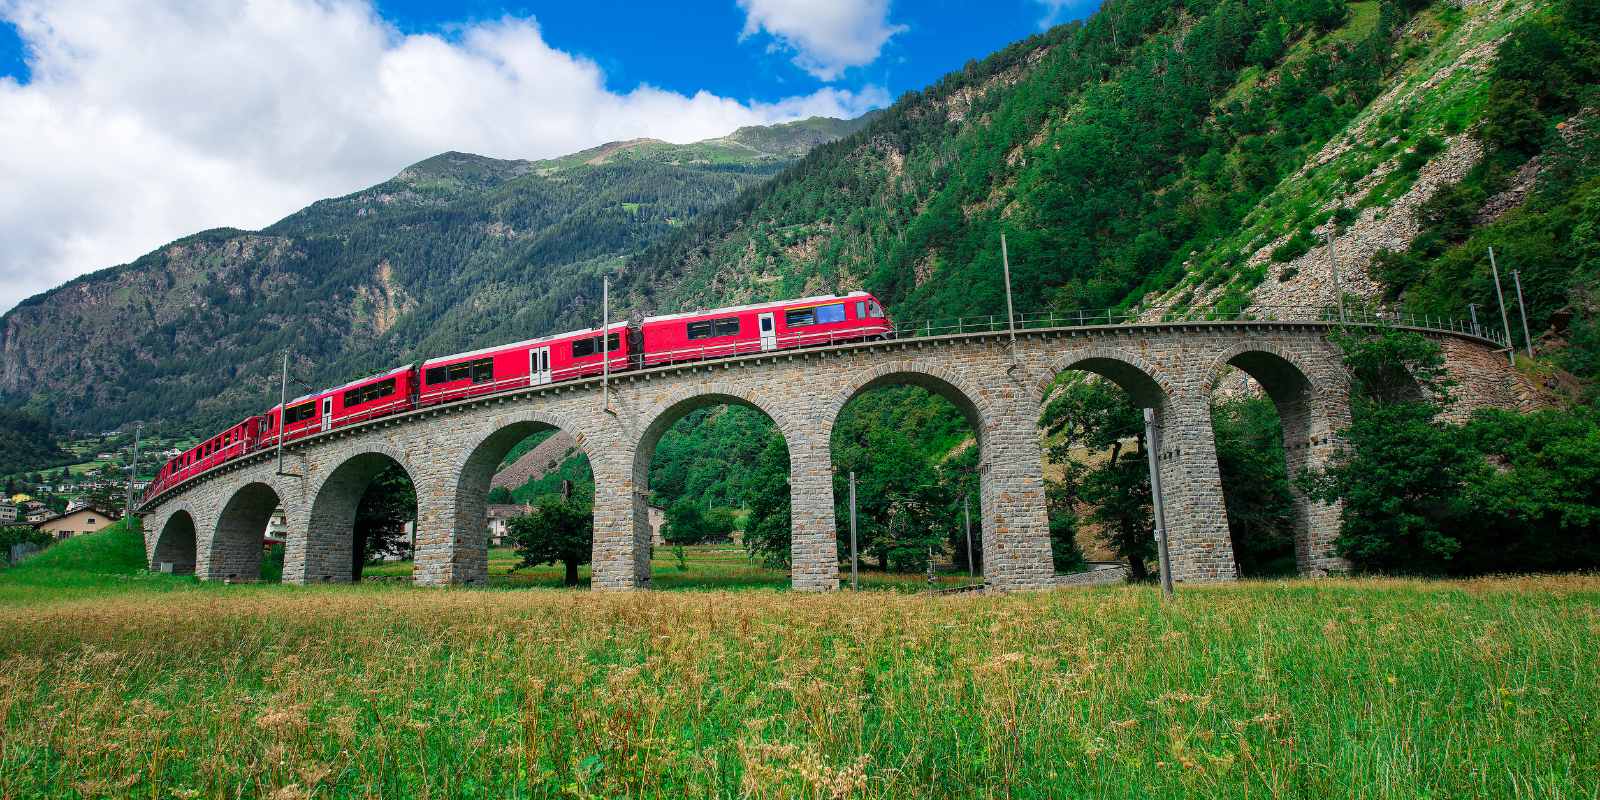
[{"x": 212, "y": 524}]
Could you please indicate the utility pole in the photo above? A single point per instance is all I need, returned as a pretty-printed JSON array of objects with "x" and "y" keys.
[
  {"x": 1338, "y": 284},
  {"x": 966, "y": 511},
  {"x": 1155, "y": 501},
  {"x": 930, "y": 573},
  {"x": 1504, "y": 319},
  {"x": 1522, "y": 308},
  {"x": 133, "y": 474},
  {"x": 1011, "y": 317},
  {"x": 855, "y": 578},
  {"x": 1472, "y": 308},
  {"x": 283, "y": 409}
]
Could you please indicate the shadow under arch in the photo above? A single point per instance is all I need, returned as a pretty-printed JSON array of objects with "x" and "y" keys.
[
  {"x": 1298, "y": 395},
  {"x": 235, "y": 552},
  {"x": 325, "y": 552},
  {"x": 465, "y": 561},
  {"x": 807, "y": 571},
  {"x": 175, "y": 544}
]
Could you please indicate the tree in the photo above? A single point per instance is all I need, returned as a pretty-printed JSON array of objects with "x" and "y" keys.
[
  {"x": 558, "y": 531},
  {"x": 766, "y": 532},
  {"x": 720, "y": 524},
  {"x": 1255, "y": 485},
  {"x": 12, "y": 535},
  {"x": 1090, "y": 417},
  {"x": 1400, "y": 471},
  {"x": 500, "y": 495},
  {"x": 380, "y": 526},
  {"x": 685, "y": 524}
]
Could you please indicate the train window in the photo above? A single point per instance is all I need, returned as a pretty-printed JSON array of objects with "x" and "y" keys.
[
  {"x": 459, "y": 372},
  {"x": 833, "y": 313},
  {"x": 299, "y": 413},
  {"x": 591, "y": 345},
  {"x": 369, "y": 393},
  {"x": 483, "y": 370},
  {"x": 728, "y": 327},
  {"x": 874, "y": 310},
  {"x": 700, "y": 330},
  {"x": 707, "y": 329},
  {"x": 799, "y": 317},
  {"x": 435, "y": 375},
  {"x": 861, "y": 309}
]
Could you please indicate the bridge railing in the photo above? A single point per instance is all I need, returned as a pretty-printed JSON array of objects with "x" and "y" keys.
[{"x": 996, "y": 323}]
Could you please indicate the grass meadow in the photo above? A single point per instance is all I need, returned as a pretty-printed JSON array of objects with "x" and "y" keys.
[{"x": 161, "y": 687}]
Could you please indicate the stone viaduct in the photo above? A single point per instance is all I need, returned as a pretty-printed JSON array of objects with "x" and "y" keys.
[{"x": 213, "y": 523}]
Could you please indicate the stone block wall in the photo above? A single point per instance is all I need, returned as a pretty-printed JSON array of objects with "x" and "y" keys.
[{"x": 450, "y": 451}]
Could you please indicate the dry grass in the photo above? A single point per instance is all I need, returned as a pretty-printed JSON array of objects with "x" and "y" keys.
[{"x": 1337, "y": 688}]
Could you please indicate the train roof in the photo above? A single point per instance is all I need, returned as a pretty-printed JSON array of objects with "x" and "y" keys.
[
  {"x": 755, "y": 306},
  {"x": 321, "y": 392},
  {"x": 497, "y": 348}
]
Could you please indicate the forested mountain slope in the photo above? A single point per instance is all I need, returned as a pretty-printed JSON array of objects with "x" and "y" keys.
[
  {"x": 1177, "y": 154},
  {"x": 1158, "y": 153},
  {"x": 455, "y": 252}
]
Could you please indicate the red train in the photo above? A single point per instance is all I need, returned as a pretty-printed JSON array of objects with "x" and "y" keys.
[{"x": 666, "y": 339}]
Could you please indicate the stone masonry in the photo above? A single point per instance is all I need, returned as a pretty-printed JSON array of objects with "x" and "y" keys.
[{"x": 212, "y": 524}]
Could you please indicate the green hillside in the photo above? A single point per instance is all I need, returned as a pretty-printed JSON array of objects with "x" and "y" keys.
[
  {"x": 1163, "y": 153},
  {"x": 455, "y": 252}
]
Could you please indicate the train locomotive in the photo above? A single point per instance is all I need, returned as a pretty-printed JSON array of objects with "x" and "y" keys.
[{"x": 656, "y": 341}]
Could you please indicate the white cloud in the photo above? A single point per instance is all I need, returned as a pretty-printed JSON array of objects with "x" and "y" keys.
[
  {"x": 830, "y": 35},
  {"x": 148, "y": 121}
]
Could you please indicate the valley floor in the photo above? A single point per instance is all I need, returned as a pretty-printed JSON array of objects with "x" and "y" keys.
[{"x": 151, "y": 686}]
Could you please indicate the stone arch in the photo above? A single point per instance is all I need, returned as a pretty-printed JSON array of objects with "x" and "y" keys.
[
  {"x": 1147, "y": 384},
  {"x": 1196, "y": 517},
  {"x": 235, "y": 547},
  {"x": 323, "y": 552},
  {"x": 175, "y": 542},
  {"x": 813, "y": 564},
  {"x": 1016, "y": 543},
  {"x": 1300, "y": 394},
  {"x": 939, "y": 380},
  {"x": 458, "y": 554}
]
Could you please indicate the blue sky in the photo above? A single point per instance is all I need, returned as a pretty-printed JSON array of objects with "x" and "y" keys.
[
  {"x": 126, "y": 124},
  {"x": 687, "y": 47}
]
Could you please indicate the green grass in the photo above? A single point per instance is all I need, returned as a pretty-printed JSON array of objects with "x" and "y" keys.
[
  {"x": 140, "y": 685},
  {"x": 708, "y": 567},
  {"x": 1337, "y": 688}
]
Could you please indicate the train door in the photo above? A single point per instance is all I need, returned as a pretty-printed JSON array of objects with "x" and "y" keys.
[
  {"x": 769, "y": 334},
  {"x": 538, "y": 366},
  {"x": 327, "y": 413}
]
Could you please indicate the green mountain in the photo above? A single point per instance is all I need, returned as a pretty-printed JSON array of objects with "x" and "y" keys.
[
  {"x": 1159, "y": 153},
  {"x": 455, "y": 251}
]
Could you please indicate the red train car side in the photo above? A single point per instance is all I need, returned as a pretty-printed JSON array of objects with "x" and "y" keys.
[
  {"x": 357, "y": 401},
  {"x": 766, "y": 326},
  {"x": 530, "y": 363}
]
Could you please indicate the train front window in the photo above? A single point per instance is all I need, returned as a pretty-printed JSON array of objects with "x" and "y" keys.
[
  {"x": 873, "y": 310},
  {"x": 861, "y": 309},
  {"x": 483, "y": 370}
]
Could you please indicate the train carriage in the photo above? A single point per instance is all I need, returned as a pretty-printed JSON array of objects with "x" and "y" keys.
[
  {"x": 531, "y": 363},
  {"x": 766, "y": 326},
  {"x": 357, "y": 401}
]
